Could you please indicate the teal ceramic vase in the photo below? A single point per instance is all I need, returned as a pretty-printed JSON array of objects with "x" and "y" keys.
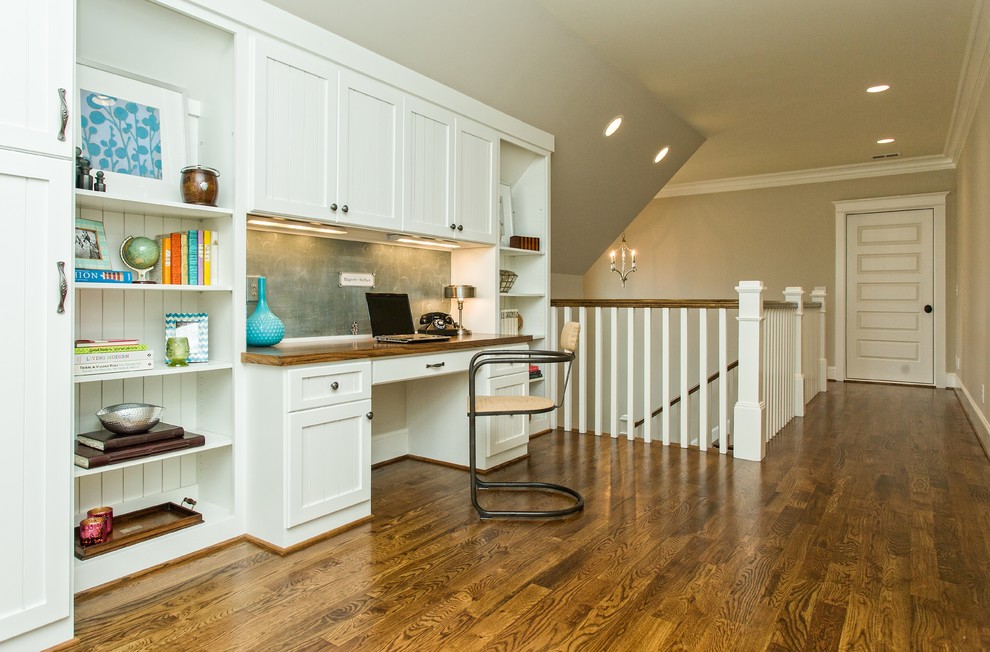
[{"x": 263, "y": 327}]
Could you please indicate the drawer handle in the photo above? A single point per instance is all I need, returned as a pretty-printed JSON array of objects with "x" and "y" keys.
[
  {"x": 63, "y": 114},
  {"x": 335, "y": 385},
  {"x": 370, "y": 416},
  {"x": 436, "y": 365}
]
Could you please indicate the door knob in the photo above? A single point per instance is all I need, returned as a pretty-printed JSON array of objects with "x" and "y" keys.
[
  {"x": 333, "y": 207},
  {"x": 928, "y": 308}
]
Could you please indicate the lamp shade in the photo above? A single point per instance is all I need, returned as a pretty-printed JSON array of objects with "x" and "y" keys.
[{"x": 459, "y": 292}]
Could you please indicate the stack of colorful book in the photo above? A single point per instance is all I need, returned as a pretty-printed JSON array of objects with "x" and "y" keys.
[
  {"x": 94, "y": 449},
  {"x": 187, "y": 258},
  {"x": 535, "y": 372},
  {"x": 111, "y": 356}
]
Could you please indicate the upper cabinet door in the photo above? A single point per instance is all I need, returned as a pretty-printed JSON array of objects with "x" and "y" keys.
[
  {"x": 429, "y": 170},
  {"x": 475, "y": 182},
  {"x": 369, "y": 164},
  {"x": 295, "y": 129},
  {"x": 36, "y": 45}
]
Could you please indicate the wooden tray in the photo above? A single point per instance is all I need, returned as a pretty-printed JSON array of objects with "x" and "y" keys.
[{"x": 141, "y": 525}]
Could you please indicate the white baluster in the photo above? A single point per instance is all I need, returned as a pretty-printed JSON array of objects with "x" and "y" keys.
[
  {"x": 630, "y": 373},
  {"x": 599, "y": 389},
  {"x": 614, "y": 373},
  {"x": 818, "y": 296},
  {"x": 583, "y": 368},
  {"x": 665, "y": 377},
  {"x": 685, "y": 413},
  {"x": 569, "y": 387},
  {"x": 723, "y": 382},
  {"x": 551, "y": 375},
  {"x": 647, "y": 375},
  {"x": 704, "y": 437}
]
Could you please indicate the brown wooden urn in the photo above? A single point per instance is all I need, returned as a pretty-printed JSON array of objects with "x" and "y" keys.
[{"x": 199, "y": 185}]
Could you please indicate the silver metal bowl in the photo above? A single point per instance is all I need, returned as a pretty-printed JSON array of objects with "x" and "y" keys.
[{"x": 130, "y": 418}]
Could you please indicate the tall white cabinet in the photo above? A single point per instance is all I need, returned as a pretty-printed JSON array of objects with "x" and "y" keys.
[{"x": 35, "y": 193}]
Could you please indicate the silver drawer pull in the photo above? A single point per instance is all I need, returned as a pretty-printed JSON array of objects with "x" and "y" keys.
[
  {"x": 436, "y": 365},
  {"x": 335, "y": 385},
  {"x": 63, "y": 114}
]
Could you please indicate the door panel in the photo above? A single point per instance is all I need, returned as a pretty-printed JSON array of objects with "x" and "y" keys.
[{"x": 890, "y": 280}]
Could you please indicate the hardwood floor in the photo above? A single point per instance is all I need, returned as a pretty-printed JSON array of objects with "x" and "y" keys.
[{"x": 867, "y": 528}]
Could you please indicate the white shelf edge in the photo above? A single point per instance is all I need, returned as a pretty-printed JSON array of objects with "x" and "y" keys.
[
  {"x": 513, "y": 251},
  {"x": 160, "y": 369},
  {"x": 533, "y": 381},
  {"x": 152, "y": 287},
  {"x": 523, "y": 294},
  {"x": 107, "y": 202},
  {"x": 213, "y": 441}
]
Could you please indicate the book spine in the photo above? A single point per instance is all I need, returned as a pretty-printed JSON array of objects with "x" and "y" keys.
[
  {"x": 207, "y": 258},
  {"x": 110, "y": 349},
  {"x": 215, "y": 265},
  {"x": 103, "y": 276},
  {"x": 176, "y": 247},
  {"x": 184, "y": 258},
  {"x": 193, "y": 258},
  {"x": 199, "y": 257},
  {"x": 102, "y": 458},
  {"x": 114, "y": 356},
  {"x": 111, "y": 367},
  {"x": 165, "y": 256}
]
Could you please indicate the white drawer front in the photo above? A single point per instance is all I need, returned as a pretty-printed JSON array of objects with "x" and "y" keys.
[
  {"x": 390, "y": 370},
  {"x": 312, "y": 387},
  {"x": 496, "y": 370}
]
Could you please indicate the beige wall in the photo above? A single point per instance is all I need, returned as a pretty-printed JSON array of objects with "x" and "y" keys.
[
  {"x": 700, "y": 246},
  {"x": 973, "y": 250}
]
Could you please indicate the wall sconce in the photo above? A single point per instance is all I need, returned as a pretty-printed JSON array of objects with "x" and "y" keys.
[
  {"x": 623, "y": 250},
  {"x": 459, "y": 292}
]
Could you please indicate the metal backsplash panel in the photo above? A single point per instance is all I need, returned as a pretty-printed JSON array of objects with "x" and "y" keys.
[{"x": 303, "y": 274}]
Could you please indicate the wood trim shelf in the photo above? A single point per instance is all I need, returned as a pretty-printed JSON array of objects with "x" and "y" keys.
[
  {"x": 213, "y": 441},
  {"x": 514, "y": 251}
]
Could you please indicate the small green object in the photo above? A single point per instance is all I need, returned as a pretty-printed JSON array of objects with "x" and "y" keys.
[
  {"x": 139, "y": 254},
  {"x": 177, "y": 351}
]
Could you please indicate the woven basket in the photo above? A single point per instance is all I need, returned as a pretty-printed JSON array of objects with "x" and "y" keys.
[{"x": 506, "y": 279}]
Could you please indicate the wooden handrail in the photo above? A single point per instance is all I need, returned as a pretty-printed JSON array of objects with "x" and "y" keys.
[{"x": 711, "y": 379}]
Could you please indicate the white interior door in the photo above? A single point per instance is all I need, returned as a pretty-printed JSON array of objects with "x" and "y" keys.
[{"x": 890, "y": 333}]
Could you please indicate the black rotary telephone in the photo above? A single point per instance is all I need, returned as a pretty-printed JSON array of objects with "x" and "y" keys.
[{"x": 436, "y": 321}]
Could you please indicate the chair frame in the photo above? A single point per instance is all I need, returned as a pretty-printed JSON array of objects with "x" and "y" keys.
[{"x": 479, "y": 361}]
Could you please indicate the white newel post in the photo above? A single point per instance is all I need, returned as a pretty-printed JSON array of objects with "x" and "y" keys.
[
  {"x": 795, "y": 295},
  {"x": 750, "y": 441},
  {"x": 818, "y": 296}
]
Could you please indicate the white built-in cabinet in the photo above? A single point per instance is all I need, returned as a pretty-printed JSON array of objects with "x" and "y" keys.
[
  {"x": 327, "y": 140},
  {"x": 309, "y": 450},
  {"x": 476, "y": 148},
  {"x": 36, "y": 42}
]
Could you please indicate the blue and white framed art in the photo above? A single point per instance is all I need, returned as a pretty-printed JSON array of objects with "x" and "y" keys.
[
  {"x": 133, "y": 129},
  {"x": 195, "y": 326}
]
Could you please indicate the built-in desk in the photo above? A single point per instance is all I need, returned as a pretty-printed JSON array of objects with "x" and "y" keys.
[{"x": 309, "y": 424}]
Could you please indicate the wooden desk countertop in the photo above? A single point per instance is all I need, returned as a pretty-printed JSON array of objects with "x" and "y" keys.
[{"x": 289, "y": 353}]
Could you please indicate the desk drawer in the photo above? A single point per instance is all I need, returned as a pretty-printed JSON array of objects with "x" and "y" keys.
[
  {"x": 391, "y": 370},
  {"x": 313, "y": 387}
]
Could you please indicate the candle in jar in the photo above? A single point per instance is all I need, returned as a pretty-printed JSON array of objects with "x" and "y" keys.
[
  {"x": 91, "y": 531},
  {"x": 106, "y": 513}
]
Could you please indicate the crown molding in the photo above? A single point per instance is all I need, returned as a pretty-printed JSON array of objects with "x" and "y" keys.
[
  {"x": 819, "y": 175},
  {"x": 976, "y": 68}
]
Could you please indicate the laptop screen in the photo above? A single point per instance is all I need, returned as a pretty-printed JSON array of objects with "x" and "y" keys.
[{"x": 390, "y": 313}]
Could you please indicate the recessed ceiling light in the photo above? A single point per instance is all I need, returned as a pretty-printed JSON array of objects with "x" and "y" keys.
[
  {"x": 613, "y": 126},
  {"x": 884, "y": 141},
  {"x": 878, "y": 89},
  {"x": 661, "y": 154}
]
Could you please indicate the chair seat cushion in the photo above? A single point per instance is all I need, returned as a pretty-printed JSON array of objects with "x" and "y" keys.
[{"x": 520, "y": 404}]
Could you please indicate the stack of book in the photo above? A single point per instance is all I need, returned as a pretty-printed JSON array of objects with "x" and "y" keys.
[
  {"x": 509, "y": 321},
  {"x": 187, "y": 258},
  {"x": 535, "y": 372},
  {"x": 94, "y": 449},
  {"x": 111, "y": 356},
  {"x": 103, "y": 276}
]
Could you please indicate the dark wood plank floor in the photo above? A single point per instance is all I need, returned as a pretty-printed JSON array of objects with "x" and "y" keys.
[{"x": 867, "y": 528}]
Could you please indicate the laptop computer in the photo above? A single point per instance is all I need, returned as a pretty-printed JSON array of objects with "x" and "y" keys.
[{"x": 391, "y": 319}]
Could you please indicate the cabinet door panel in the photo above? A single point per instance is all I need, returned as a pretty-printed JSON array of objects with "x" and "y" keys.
[
  {"x": 429, "y": 169},
  {"x": 36, "y": 44},
  {"x": 35, "y": 557},
  {"x": 295, "y": 132},
  {"x": 475, "y": 182},
  {"x": 329, "y": 463},
  {"x": 508, "y": 431}
]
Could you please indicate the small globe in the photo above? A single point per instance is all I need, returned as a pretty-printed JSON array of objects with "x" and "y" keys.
[{"x": 140, "y": 254}]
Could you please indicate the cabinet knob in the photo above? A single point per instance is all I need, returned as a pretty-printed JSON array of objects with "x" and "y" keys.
[
  {"x": 344, "y": 208},
  {"x": 333, "y": 207},
  {"x": 370, "y": 415},
  {"x": 335, "y": 385},
  {"x": 453, "y": 226},
  {"x": 460, "y": 227},
  {"x": 928, "y": 308}
]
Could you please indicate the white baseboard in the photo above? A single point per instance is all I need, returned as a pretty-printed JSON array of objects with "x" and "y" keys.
[
  {"x": 389, "y": 445},
  {"x": 830, "y": 373},
  {"x": 976, "y": 417},
  {"x": 951, "y": 381}
]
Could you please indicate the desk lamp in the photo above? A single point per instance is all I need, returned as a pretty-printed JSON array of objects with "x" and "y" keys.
[{"x": 459, "y": 292}]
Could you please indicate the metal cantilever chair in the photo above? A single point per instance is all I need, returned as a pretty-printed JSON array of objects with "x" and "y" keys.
[{"x": 491, "y": 406}]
